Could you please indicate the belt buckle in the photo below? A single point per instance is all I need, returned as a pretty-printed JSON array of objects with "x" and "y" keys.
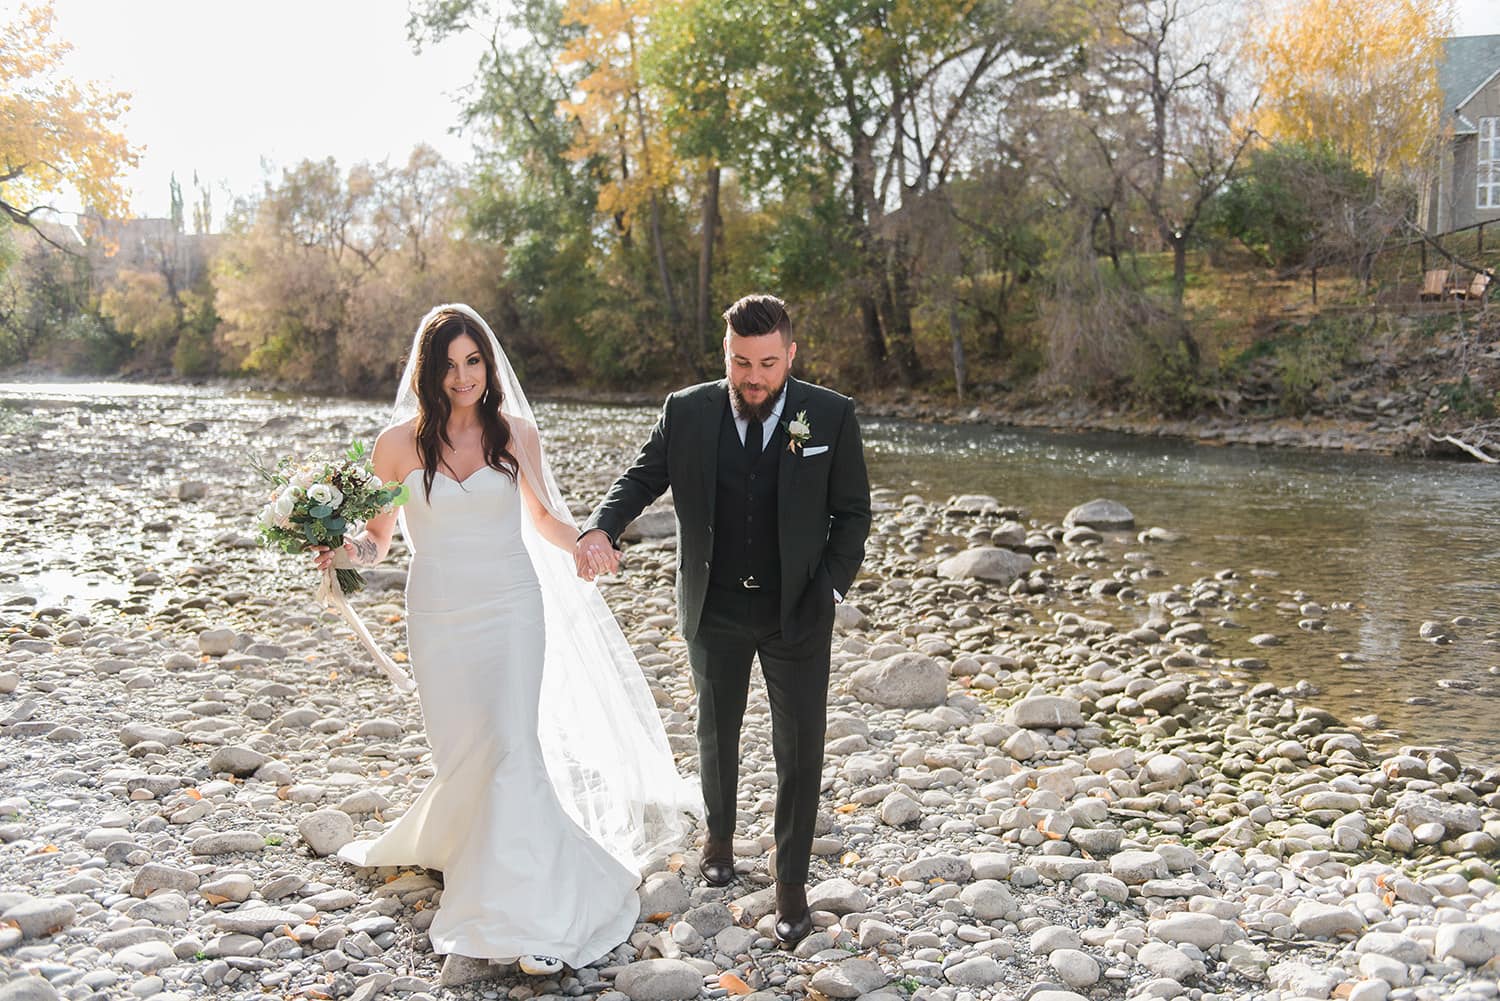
[{"x": 750, "y": 583}]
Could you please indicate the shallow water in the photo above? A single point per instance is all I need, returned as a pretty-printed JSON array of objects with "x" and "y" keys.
[{"x": 1381, "y": 544}]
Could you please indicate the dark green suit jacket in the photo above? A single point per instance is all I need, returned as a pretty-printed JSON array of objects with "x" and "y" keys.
[{"x": 822, "y": 498}]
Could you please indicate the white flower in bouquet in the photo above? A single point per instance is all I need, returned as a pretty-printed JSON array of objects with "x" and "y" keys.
[
  {"x": 316, "y": 503},
  {"x": 284, "y": 505},
  {"x": 325, "y": 493}
]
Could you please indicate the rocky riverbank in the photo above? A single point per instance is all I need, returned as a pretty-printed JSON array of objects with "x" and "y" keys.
[{"x": 1043, "y": 780}]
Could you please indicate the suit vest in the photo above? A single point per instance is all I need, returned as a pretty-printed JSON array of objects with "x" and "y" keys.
[{"x": 746, "y": 539}]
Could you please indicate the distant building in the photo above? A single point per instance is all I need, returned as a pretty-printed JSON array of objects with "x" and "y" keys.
[
  {"x": 117, "y": 245},
  {"x": 1467, "y": 188}
]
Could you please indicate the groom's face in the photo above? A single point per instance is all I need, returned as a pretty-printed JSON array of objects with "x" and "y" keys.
[{"x": 757, "y": 368}]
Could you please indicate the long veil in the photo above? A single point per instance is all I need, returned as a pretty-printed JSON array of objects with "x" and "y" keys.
[{"x": 605, "y": 748}]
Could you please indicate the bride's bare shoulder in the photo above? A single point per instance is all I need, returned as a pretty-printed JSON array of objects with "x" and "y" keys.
[
  {"x": 396, "y": 446},
  {"x": 398, "y": 435}
]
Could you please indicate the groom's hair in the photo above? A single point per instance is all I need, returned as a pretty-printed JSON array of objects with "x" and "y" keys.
[{"x": 759, "y": 314}]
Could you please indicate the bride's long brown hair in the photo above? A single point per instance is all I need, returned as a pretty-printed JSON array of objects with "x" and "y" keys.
[{"x": 433, "y": 408}]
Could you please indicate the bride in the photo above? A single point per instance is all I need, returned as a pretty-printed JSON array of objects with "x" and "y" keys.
[{"x": 553, "y": 782}]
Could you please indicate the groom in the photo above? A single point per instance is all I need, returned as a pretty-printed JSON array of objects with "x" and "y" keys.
[{"x": 773, "y": 507}]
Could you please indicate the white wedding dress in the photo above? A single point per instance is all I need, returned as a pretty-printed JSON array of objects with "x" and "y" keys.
[{"x": 520, "y": 875}]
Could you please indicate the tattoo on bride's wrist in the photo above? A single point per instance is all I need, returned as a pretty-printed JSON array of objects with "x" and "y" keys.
[{"x": 365, "y": 552}]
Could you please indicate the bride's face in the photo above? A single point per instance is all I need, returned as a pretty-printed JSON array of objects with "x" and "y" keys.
[{"x": 466, "y": 376}]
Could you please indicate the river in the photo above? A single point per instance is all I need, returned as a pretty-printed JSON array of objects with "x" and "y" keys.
[{"x": 1370, "y": 547}]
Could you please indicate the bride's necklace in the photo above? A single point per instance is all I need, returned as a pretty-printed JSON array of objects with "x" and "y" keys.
[{"x": 470, "y": 436}]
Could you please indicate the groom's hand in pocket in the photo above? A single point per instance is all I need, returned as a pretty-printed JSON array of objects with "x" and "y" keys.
[{"x": 594, "y": 554}]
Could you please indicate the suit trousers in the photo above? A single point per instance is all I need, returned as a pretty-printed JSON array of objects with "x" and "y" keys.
[{"x": 737, "y": 626}]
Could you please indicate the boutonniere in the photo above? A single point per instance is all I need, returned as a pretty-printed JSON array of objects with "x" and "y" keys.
[{"x": 798, "y": 431}]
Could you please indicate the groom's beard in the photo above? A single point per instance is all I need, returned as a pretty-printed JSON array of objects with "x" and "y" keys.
[{"x": 755, "y": 411}]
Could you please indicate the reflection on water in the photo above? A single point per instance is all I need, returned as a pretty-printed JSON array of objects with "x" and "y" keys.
[
  {"x": 1379, "y": 545},
  {"x": 1382, "y": 544}
]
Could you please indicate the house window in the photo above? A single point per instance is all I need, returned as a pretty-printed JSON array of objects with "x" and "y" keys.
[{"x": 1489, "y": 164}]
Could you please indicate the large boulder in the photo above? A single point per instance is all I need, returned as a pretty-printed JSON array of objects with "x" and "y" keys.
[
  {"x": 659, "y": 980},
  {"x": 653, "y": 524},
  {"x": 1045, "y": 712},
  {"x": 326, "y": 831},
  {"x": 905, "y": 681},
  {"x": 1104, "y": 515},
  {"x": 999, "y": 566},
  {"x": 1416, "y": 809}
]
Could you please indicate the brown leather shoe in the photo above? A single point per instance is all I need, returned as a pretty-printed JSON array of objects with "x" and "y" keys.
[
  {"x": 717, "y": 864},
  {"x": 793, "y": 919}
]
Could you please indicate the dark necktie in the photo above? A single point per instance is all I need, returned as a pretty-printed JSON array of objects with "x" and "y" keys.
[{"x": 752, "y": 439}]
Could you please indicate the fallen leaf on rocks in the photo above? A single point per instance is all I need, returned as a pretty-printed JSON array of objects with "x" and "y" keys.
[
  {"x": 732, "y": 983},
  {"x": 849, "y": 858},
  {"x": 214, "y": 898},
  {"x": 658, "y": 917},
  {"x": 847, "y": 808}
]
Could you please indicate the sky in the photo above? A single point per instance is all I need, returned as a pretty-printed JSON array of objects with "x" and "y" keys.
[{"x": 219, "y": 86}]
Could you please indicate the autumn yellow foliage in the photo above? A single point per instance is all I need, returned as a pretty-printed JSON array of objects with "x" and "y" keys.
[
  {"x": 1359, "y": 75},
  {"x": 56, "y": 133},
  {"x": 617, "y": 117}
]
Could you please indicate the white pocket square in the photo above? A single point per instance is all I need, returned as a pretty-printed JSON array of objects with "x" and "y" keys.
[{"x": 813, "y": 450}]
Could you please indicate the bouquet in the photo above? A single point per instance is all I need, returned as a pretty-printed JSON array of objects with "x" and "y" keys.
[{"x": 315, "y": 503}]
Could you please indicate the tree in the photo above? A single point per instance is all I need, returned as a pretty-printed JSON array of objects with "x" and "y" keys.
[
  {"x": 1359, "y": 75},
  {"x": 57, "y": 133},
  {"x": 1171, "y": 63},
  {"x": 44, "y": 310},
  {"x": 324, "y": 276},
  {"x": 1299, "y": 205},
  {"x": 579, "y": 283},
  {"x": 138, "y": 304},
  {"x": 869, "y": 104},
  {"x": 696, "y": 60},
  {"x": 619, "y": 125}
]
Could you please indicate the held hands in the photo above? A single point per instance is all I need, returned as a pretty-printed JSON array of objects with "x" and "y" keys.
[{"x": 594, "y": 554}]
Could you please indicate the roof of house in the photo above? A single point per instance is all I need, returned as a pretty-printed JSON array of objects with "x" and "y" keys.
[{"x": 1468, "y": 62}]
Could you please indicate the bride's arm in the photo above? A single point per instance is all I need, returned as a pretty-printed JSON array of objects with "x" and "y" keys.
[
  {"x": 370, "y": 546},
  {"x": 561, "y": 535},
  {"x": 554, "y": 525}
]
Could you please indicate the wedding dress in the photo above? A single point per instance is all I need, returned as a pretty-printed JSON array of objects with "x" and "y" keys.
[
  {"x": 553, "y": 780},
  {"x": 520, "y": 875}
]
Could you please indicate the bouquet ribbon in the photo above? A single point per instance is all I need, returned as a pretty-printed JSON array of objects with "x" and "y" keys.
[{"x": 330, "y": 595}]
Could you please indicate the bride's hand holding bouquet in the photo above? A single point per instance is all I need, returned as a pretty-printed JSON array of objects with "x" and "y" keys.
[{"x": 315, "y": 504}]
